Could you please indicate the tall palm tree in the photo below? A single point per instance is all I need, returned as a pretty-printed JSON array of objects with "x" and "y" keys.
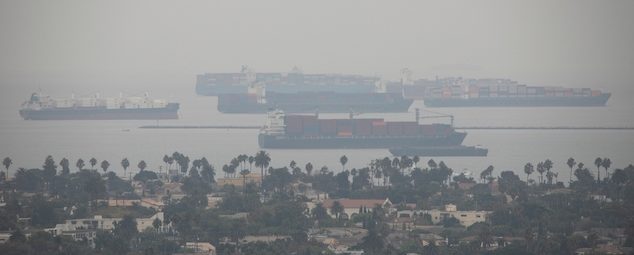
[
  {"x": 336, "y": 209},
  {"x": 225, "y": 169},
  {"x": 142, "y": 165},
  {"x": 598, "y": 162},
  {"x": 343, "y": 160},
  {"x": 7, "y": 162},
  {"x": 251, "y": 159},
  {"x": 486, "y": 173},
  {"x": 93, "y": 162},
  {"x": 540, "y": 169},
  {"x": 80, "y": 164},
  {"x": 528, "y": 169},
  {"x": 262, "y": 161},
  {"x": 244, "y": 174},
  {"x": 104, "y": 165},
  {"x": 606, "y": 163},
  {"x": 65, "y": 166},
  {"x": 166, "y": 159},
  {"x": 416, "y": 159},
  {"x": 571, "y": 163},
  {"x": 125, "y": 164},
  {"x": 309, "y": 168}
]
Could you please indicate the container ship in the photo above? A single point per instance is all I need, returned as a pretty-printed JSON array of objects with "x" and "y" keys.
[
  {"x": 214, "y": 84},
  {"x": 95, "y": 108},
  {"x": 310, "y": 132},
  {"x": 456, "y": 92},
  {"x": 307, "y": 102}
]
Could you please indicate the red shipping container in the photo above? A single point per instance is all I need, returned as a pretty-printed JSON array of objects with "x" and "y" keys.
[
  {"x": 411, "y": 128},
  {"x": 363, "y": 127},
  {"x": 379, "y": 130}
]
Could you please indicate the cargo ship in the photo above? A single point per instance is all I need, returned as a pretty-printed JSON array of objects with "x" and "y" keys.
[
  {"x": 214, "y": 84},
  {"x": 308, "y": 102},
  {"x": 41, "y": 107},
  {"x": 457, "y": 92},
  {"x": 310, "y": 132},
  {"x": 442, "y": 151}
]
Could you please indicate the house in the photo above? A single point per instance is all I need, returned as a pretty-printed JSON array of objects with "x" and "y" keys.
[
  {"x": 466, "y": 218},
  {"x": 239, "y": 181},
  {"x": 199, "y": 248},
  {"x": 352, "y": 206},
  {"x": 265, "y": 239},
  {"x": 86, "y": 229}
]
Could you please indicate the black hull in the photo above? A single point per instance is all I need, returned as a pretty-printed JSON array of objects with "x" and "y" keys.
[
  {"x": 449, "y": 151},
  {"x": 97, "y": 113},
  {"x": 370, "y": 142},
  {"x": 402, "y": 106},
  {"x": 576, "y": 101}
]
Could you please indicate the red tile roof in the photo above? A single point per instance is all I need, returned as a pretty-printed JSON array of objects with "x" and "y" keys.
[{"x": 354, "y": 203}]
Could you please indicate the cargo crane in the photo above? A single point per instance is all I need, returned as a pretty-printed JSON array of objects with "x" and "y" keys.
[{"x": 438, "y": 115}]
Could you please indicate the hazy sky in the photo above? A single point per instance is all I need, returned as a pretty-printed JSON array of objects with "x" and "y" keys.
[{"x": 574, "y": 43}]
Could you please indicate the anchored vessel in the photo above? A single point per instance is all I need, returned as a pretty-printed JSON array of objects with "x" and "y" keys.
[
  {"x": 95, "y": 108},
  {"x": 307, "y": 102},
  {"x": 456, "y": 92},
  {"x": 310, "y": 132},
  {"x": 213, "y": 84}
]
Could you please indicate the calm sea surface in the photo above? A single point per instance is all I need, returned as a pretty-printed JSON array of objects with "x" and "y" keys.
[{"x": 29, "y": 142}]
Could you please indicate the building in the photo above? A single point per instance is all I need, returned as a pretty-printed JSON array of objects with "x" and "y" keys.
[
  {"x": 466, "y": 218},
  {"x": 239, "y": 181},
  {"x": 200, "y": 248},
  {"x": 86, "y": 229},
  {"x": 352, "y": 206}
]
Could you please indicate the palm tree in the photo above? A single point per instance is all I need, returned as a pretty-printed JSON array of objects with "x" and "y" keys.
[
  {"x": 244, "y": 174},
  {"x": 104, "y": 165},
  {"x": 540, "y": 169},
  {"x": 486, "y": 173},
  {"x": 7, "y": 162},
  {"x": 65, "y": 166},
  {"x": 125, "y": 164},
  {"x": 225, "y": 169},
  {"x": 528, "y": 169},
  {"x": 262, "y": 161},
  {"x": 93, "y": 162},
  {"x": 166, "y": 159},
  {"x": 80, "y": 164},
  {"x": 343, "y": 160},
  {"x": 571, "y": 163},
  {"x": 142, "y": 165},
  {"x": 416, "y": 159},
  {"x": 548, "y": 164},
  {"x": 293, "y": 164},
  {"x": 251, "y": 159},
  {"x": 309, "y": 168},
  {"x": 606, "y": 163},
  {"x": 432, "y": 164},
  {"x": 598, "y": 162}
]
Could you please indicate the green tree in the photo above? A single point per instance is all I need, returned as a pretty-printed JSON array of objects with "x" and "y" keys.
[
  {"x": 93, "y": 162},
  {"x": 142, "y": 165},
  {"x": 104, "y": 165},
  {"x": 336, "y": 209},
  {"x": 262, "y": 161},
  {"x": 606, "y": 163},
  {"x": 598, "y": 162},
  {"x": 541, "y": 170},
  {"x": 125, "y": 163},
  {"x": 65, "y": 166},
  {"x": 80, "y": 164},
  {"x": 571, "y": 163},
  {"x": 319, "y": 212},
  {"x": 7, "y": 162},
  {"x": 528, "y": 169},
  {"x": 309, "y": 168},
  {"x": 343, "y": 160}
]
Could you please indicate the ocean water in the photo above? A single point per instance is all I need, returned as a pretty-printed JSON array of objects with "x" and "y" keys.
[{"x": 29, "y": 142}]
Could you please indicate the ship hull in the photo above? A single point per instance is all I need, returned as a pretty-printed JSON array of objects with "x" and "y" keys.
[
  {"x": 101, "y": 113},
  {"x": 551, "y": 101},
  {"x": 312, "y": 102},
  {"x": 370, "y": 142},
  {"x": 448, "y": 151}
]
